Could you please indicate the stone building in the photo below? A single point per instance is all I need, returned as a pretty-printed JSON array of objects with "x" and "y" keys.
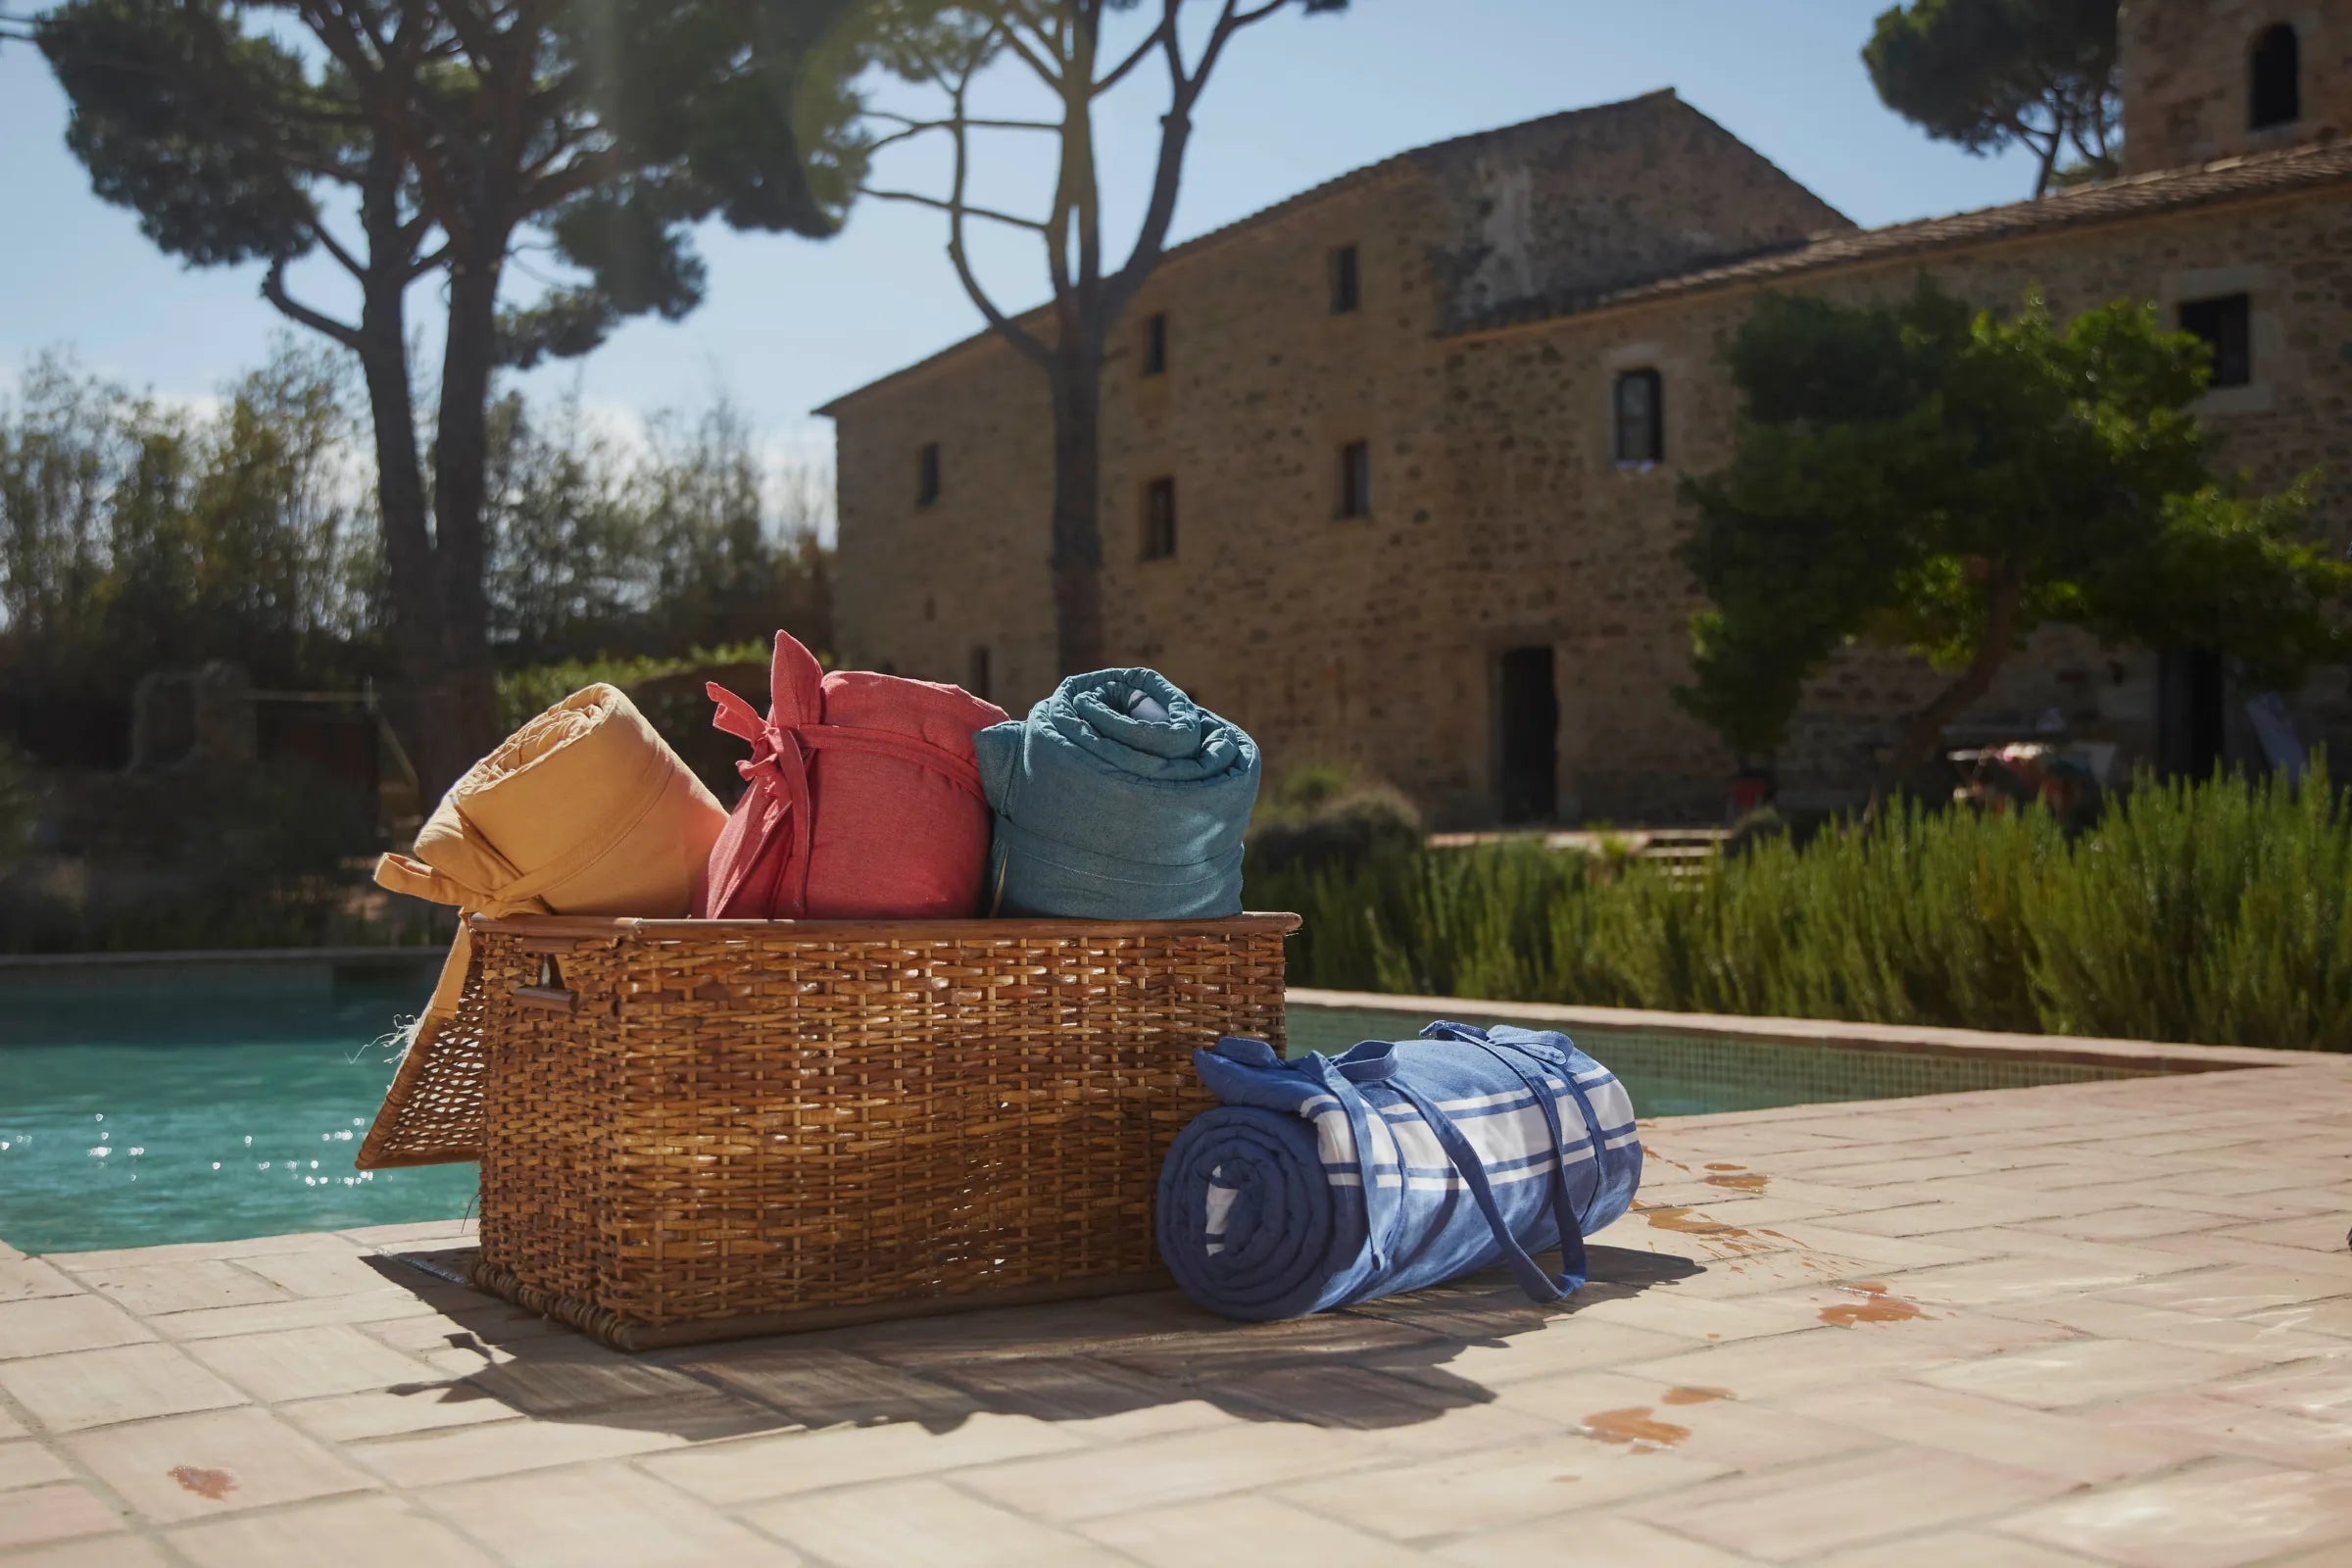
[{"x": 1390, "y": 469}]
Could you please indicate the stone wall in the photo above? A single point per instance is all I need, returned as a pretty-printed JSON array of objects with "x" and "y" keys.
[
  {"x": 2186, "y": 69},
  {"x": 1590, "y": 544},
  {"x": 1499, "y": 519}
]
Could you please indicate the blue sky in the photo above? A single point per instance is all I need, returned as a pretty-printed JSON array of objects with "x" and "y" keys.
[{"x": 789, "y": 324}]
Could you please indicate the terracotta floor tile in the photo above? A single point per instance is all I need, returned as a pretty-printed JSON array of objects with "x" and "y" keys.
[
  {"x": 1113, "y": 1404},
  {"x": 1565, "y": 1345},
  {"x": 2080, "y": 1372},
  {"x": 22, "y": 1279},
  {"x": 340, "y": 1272},
  {"x": 363, "y": 1532},
  {"x": 598, "y": 1516},
  {"x": 388, "y": 1413},
  {"x": 1995, "y": 1430},
  {"x": 124, "y": 1383},
  {"x": 195, "y": 1251},
  {"x": 2231, "y": 1512},
  {"x": 2130, "y": 1224},
  {"x": 1125, "y": 1477},
  {"x": 2321, "y": 1386},
  {"x": 2251, "y": 1337},
  {"x": 899, "y": 1523},
  {"x": 59, "y": 1511},
  {"x": 1698, "y": 1422},
  {"x": 1274, "y": 1532},
  {"x": 25, "y": 1463},
  {"x": 93, "y": 1551},
  {"x": 2310, "y": 1441},
  {"x": 2231, "y": 1291},
  {"x": 295, "y": 1312},
  {"x": 469, "y": 1451},
  {"x": 189, "y": 1467},
  {"x": 815, "y": 1388},
  {"x": 1957, "y": 1548},
  {"x": 1590, "y": 1538},
  {"x": 56, "y": 1324},
  {"x": 1800, "y": 1515},
  {"x": 789, "y": 1464},
  {"x": 1759, "y": 1369},
  {"x": 153, "y": 1289},
  {"x": 308, "y": 1363},
  {"x": 2323, "y": 1233},
  {"x": 1435, "y": 1497}
]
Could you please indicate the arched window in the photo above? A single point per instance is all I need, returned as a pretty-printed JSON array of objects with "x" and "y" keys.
[{"x": 2277, "y": 86}]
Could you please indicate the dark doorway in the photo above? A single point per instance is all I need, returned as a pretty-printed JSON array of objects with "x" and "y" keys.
[
  {"x": 2191, "y": 698},
  {"x": 1526, "y": 729}
]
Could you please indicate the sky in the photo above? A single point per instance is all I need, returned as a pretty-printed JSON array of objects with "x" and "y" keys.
[{"x": 789, "y": 324}]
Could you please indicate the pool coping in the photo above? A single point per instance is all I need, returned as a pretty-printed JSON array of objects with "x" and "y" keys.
[{"x": 2135, "y": 1057}]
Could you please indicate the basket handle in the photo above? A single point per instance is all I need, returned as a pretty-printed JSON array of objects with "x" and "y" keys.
[{"x": 551, "y": 992}]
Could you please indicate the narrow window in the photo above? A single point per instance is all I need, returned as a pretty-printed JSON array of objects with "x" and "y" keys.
[
  {"x": 1159, "y": 520},
  {"x": 1155, "y": 345},
  {"x": 2226, "y": 325},
  {"x": 926, "y": 484},
  {"x": 1355, "y": 480},
  {"x": 978, "y": 684},
  {"x": 2276, "y": 95},
  {"x": 1640, "y": 417},
  {"x": 1345, "y": 293}
]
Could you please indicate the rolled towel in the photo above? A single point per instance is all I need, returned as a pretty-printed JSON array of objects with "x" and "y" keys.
[
  {"x": 583, "y": 810},
  {"x": 1118, "y": 797},
  {"x": 1486, "y": 1146},
  {"x": 863, "y": 803}
]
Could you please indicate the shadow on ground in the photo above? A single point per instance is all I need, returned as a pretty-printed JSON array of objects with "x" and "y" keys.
[{"x": 1379, "y": 1365}]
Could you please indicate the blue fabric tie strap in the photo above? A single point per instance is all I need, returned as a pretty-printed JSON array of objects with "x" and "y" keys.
[{"x": 1327, "y": 1180}]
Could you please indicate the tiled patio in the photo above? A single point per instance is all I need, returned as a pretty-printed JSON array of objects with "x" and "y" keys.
[{"x": 2101, "y": 1323}]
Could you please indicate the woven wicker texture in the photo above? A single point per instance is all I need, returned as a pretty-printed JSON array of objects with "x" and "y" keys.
[
  {"x": 705, "y": 1128},
  {"x": 432, "y": 1115}
]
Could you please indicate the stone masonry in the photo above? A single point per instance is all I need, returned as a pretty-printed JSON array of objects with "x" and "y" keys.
[{"x": 1506, "y": 280}]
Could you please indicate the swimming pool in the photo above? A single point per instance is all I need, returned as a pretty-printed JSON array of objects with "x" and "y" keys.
[{"x": 138, "y": 1112}]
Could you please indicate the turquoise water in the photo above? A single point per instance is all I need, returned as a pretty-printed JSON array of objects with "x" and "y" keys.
[
  {"x": 134, "y": 1115},
  {"x": 137, "y": 1114}
]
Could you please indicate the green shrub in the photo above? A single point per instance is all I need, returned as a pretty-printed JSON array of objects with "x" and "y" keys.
[{"x": 2219, "y": 913}]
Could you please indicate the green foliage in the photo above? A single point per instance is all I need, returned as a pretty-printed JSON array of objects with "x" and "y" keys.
[
  {"x": 258, "y": 858},
  {"x": 606, "y": 547},
  {"x": 136, "y": 536},
  {"x": 1948, "y": 480},
  {"x": 1991, "y": 73},
  {"x": 2219, "y": 913},
  {"x": 1321, "y": 813}
]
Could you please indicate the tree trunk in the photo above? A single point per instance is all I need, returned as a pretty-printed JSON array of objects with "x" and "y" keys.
[
  {"x": 463, "y": 721},
  {"x": 400, "y": 503},
  {"x": 1077, "y": 390},
  {"x": 2004, "y": 599}
]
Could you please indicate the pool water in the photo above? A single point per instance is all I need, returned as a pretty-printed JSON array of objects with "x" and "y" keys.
[{"x": 136, "y": 1114}]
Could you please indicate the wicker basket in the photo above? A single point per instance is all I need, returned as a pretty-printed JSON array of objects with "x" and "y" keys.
[{"x": 701, "y": 1129}]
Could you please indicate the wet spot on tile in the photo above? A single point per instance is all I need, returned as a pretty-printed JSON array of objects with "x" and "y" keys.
[
  {"x": 1667, "y": 1218},
  {"x": 1870, "y": 1305},
  {"x": 210, "y": 1485},
  {"x": 1633, "y": 1425},
  {"x": 1695, "y": 1396}
]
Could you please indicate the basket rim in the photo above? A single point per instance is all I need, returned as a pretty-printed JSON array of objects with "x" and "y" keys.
[{"x": 589, "y": 926}]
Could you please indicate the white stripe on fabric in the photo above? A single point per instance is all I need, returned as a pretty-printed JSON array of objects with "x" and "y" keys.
[
  {"x": 1220, "y": 1204},
  {"x": 1612, "y": 1104}
]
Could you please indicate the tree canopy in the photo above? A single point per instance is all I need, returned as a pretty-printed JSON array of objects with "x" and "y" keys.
[
  {"x": 403, "y": 139},
  {"x": 1991, "y": 73},
  {"x": 1946, "y": 480}
]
